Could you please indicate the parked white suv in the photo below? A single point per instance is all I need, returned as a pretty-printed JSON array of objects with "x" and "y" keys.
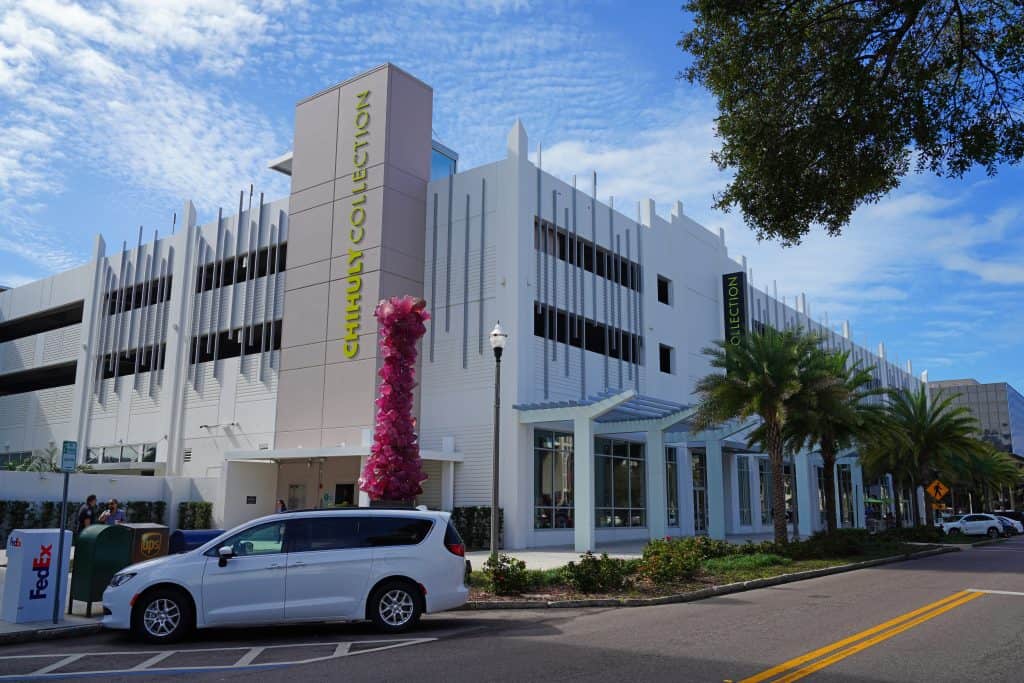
[
  {"x": 387, "y": 566},
  {"x": 977, "y": 524}
]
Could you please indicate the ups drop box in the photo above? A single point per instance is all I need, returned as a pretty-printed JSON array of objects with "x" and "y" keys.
[
  {"x": 30, "y": 586},
  {"x": 148, "y": 541}
]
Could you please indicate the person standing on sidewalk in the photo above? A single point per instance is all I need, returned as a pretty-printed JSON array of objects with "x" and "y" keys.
[
  {"x": 112, "y": 515},
  {"x": 86, "y": 514}
]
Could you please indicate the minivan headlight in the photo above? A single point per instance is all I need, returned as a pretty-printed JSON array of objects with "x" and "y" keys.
[{"x": 121, "y": 578}]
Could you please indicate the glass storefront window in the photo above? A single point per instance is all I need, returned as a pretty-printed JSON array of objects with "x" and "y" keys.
[
  {"x": 553, "y": 480},
  {"x": 700, "y": 492},
  {"x": 821, "y": 496},
  {"x": 844, "y": 475},
  {"x": 743, "y": 480},
  {"x": 672, "y": 486},
  {"x": 619, "y": 483}
]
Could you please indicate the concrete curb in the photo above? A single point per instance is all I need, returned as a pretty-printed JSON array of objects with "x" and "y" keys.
[
  {"x": 703, "y": 593},
  {"x": 50, "y": 633}
]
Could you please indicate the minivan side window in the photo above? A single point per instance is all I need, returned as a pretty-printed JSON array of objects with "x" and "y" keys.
[
  {"x": 265, "y": 539},
  {"x": 324, "y": 533},
  {"x": 389, "y": 531}
]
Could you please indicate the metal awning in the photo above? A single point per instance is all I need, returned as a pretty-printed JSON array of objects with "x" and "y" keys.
[
  {"x": 294, "y": 454},
  {"x": 608, "y": 408}
]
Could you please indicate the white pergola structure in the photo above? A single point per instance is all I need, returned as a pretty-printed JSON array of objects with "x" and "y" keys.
[{"x": 620, "y": 413}]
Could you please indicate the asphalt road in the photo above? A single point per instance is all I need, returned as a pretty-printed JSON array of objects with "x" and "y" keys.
[{"x": 911, "y": 621}]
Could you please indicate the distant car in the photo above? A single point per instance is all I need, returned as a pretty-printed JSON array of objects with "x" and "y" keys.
[
  {"x": 947, "y": 519},
  {"x": 978, "y": 524},
  {"x": 385, "y": 566},
  {"x": 1011, "y": 526}
]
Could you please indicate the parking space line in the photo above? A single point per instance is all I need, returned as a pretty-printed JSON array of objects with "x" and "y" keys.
[
  {"x": 249, "y": 656},
  {"x": 155, "y": 659},
  {"x": 245, "y": 661},
  {"x": 56, "y": 665}
]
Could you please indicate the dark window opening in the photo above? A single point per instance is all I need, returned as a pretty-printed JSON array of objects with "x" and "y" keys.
[
  {"x": 125, "y": 364},
  {"x": 46, "y": 377},
  {"x": 133, "y": 296},
  {"x": 581, "y": 330},
  {"x": 618, "y": 269},
  {"x": 230, "y": 343},
  {"x": 666, "y": 359},
  {"x": 664, "y": 290},
  {"x": 235, "y": 268},
  {"x": 42, "y": 321}
]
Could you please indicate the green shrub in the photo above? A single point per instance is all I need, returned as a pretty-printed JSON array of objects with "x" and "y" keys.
[
  {"x": 593, "y": 574},
  {"x": 721, "y": 565},
  {"x": 506, "y": 575},
  {"x": 195, "y": 515},
  {"x": 828, "y": 544},
  {"x": 474, "y": 525},
  {"x": 670, "y": 560}
]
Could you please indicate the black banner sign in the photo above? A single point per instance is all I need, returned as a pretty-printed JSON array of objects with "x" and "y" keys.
[{"x": 734, "y": 306}]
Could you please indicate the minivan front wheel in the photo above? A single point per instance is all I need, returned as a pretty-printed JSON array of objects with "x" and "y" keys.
[
  {"x": 164, "y": 615},
  {"x": 395, "y": 606}
]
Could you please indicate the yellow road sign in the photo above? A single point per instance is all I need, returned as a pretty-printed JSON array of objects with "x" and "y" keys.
[
  {"x": 937, "y": 490},
  {"x": 939, "y": 506}
]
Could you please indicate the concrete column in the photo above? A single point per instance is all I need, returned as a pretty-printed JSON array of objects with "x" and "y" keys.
[
  {"x": 447, "y": 486},
  {"x": 179, "y": 335},
  {"x": 363, "y": 496},
  {"x": 716, "y": 488},
  {"x": 657, "y": 502},
  {"x": 583, "y": 483},
  {"x": 921, "y": 502},
  {"x": 857, "y": 475},
  {"x": 806, "y": 499}
]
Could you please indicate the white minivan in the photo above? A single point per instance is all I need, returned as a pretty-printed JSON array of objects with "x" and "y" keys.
[{"x": 385, "y": 565}]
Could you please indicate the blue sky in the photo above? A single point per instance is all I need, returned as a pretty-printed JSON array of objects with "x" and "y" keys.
[{"x": 112, "y": 113}]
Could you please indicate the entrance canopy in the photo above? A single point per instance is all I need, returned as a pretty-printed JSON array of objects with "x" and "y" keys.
[
  {"x": 611, "y": 412},
  {"x": 293, "y": 454}
]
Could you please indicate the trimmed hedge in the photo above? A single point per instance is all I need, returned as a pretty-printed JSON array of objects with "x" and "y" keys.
[
  {"x": 474, "y": 525},
  {"x": 23, "y": 514},
  {"x": 195, "y": 515}
]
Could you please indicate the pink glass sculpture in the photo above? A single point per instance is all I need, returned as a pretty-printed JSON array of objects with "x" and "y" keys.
[{"x": 393, "y": 471}]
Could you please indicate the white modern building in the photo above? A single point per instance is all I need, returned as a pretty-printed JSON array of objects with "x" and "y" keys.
[{"x": 244, "y": 349}]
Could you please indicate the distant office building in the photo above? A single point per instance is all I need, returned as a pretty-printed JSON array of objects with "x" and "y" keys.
[
  {"x": 999, "y": 409},
  {"x": 996, "y": 405}
]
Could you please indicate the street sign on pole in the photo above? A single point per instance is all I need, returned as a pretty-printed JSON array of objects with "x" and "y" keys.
[
  {"x": 68, "y": 462},
  {"x": 69, "y": 456},
  {"x": 937, "y": 490}
]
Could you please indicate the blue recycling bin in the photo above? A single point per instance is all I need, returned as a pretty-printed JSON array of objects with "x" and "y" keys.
[{"x": 184, "y": 540}]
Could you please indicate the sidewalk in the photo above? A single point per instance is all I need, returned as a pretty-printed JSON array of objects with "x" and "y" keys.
[{"x": 75, "y": 624}]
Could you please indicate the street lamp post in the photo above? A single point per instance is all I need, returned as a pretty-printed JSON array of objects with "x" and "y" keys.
[{"x": 498, "y": 339}]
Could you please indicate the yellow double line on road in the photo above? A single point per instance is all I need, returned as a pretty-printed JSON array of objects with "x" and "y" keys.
[{"x": 805, "y": 665}]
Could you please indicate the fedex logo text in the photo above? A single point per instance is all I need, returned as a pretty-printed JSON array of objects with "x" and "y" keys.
[{"x": 41, "y": 566}]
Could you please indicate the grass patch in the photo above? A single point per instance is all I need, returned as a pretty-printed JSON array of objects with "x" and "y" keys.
[{"x": 744, "y": 562}]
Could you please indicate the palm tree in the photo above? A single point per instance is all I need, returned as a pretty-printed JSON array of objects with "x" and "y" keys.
[
  {"x": 764, "y": 376},
  {"x": 834, "y": 416},
  {"x": 983, "y": 469},
  {"x": 922, "y": 437}
]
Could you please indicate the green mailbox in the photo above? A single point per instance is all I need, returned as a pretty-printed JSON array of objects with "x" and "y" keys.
[{"x": 100, "y": 552}]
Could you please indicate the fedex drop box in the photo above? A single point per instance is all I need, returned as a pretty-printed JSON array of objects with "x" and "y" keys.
[{"x": 30, "y": 584}]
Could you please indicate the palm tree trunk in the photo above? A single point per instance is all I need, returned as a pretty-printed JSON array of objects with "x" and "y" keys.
[
  {"x": 828, "y": 461},
  {"x": 778, "y": 479},
  {"x": 898, "y": 495},
  {"x": 929, "y": 514}
]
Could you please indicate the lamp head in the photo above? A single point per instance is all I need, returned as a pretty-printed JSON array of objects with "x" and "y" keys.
[{"x": 498, "y": 337}]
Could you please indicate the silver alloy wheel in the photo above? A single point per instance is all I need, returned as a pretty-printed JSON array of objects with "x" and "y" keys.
[
  {"x": 396, "y": 607},
  {"x": 161, "y": 618}
]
